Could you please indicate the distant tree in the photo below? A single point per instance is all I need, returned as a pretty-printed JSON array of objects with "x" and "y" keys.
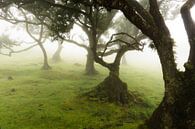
[
  {"x": 40, "y": 39},
  {"x": 103, "y": 19},
  {"x": 32, "y": 27},
  {"x": 6, "y": 45}
]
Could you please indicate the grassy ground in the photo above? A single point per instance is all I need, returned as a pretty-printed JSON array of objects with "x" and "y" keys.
[{"x": 37, "y": 99}]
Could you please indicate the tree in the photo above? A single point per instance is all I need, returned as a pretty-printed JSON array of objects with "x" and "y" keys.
[
  {"x": 103, "y": 20},
  {"x": 97, "y": 20},
  {"x": 6, "y": 45},
  {"x": 33, "y": 27},
  {"x": 112, "y": 88},
  {"x": 176, "y": 109}
]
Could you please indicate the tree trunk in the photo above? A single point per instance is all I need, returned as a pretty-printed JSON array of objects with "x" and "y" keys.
[
  {"x": 112, "y": 89},
  {"x": 90, "y": 68},
  {"x": 179, "y": 114},
  {"x": 173, "y": 113},
  {"x": 56, "y": 57},
  {"x": 45, "y": 61}
]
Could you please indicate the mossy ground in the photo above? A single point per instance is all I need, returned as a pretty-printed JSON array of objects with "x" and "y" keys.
[{"x": 38, "y": 99}]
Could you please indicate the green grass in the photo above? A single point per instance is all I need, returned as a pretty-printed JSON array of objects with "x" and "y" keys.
[{"x": 37, "y": 99}]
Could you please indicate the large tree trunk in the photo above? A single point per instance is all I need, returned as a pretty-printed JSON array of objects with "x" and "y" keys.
[
  {"x": 56, "y": 57},
  {"x": 45, "y": 61},
  {"x": 180, "y": 113},
  {"x": 112, "y": 89},
  {"x": 90, "y": 68},
  {"x": 175, "y": 110}
]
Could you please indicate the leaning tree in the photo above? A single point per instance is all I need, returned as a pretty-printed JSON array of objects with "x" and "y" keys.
[{"x": 176, "y": 111}]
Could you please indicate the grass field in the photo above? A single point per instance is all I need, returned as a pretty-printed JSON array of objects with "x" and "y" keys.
[{"x": 37, "y": 99}]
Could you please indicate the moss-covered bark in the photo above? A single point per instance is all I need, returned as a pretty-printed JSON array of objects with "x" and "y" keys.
[
  {"x": 181, "y": 113},
  {"x": 112, "y": 89}
]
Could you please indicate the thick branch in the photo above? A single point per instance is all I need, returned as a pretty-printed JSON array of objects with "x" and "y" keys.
[
  {"x": 190, "y": 28},
  {"x": 187, "y": 18},
  {"x": 134, "y": 12},
  {"x": 155, "y": 12}
]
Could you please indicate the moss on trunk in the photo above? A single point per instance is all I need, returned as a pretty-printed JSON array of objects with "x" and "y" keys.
[
  {"x": 181, "y": 113},
  {"x": 113, "y": 90}
]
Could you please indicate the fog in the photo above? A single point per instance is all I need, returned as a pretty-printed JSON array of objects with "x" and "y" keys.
[
  {"x": 71, "y": 52},
  {"x": 108, "y": 74}
]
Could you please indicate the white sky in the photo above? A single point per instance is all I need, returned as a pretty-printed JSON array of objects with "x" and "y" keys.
[{"x": 148, "y": 57}]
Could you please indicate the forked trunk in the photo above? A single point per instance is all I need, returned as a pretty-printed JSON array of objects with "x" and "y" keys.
[{"x": 90, "y": 68}]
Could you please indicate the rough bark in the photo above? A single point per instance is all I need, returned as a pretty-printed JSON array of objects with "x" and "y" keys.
[
  {"x": 179, "y": 114},
  {"x": 56, "y": 57},
  {"x": 175, "y": 111},
  {"x": 112, "y": 89},
  {"x": 90, "y": 64}
]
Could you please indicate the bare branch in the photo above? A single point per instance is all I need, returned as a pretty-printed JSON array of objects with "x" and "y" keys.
[
  {"x": 18, "y": 51},
  {"x": 133, "y": 45}
]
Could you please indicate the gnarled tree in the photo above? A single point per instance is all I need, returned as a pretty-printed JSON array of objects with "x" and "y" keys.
[{"x": 176, "y": 109}]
